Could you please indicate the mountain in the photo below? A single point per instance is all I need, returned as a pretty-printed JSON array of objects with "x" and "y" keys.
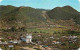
[
  {"x": 26, "y": 16},
  {"x": 27, "y": 13},
  {"x": 64, "y": 13},
  {"x": 11, "y": 15},
  {"x": 43, "y": 9}
]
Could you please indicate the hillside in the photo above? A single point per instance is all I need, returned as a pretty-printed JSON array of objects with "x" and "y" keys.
[
  {"x": 64, "y": 13},
  {"x": 11, "y": 15},
  {"x": 26, "y": 16}
]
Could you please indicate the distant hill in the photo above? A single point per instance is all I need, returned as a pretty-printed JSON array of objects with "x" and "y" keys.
[
  {"x": 43, "y": 9},
  {"x": 21, "y": 13},
  {"x": 64, "y": 13},
  {"x": 23, "y": 16}
]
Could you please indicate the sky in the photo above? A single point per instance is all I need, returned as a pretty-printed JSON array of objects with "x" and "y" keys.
[{"x": 44, "y": 4}]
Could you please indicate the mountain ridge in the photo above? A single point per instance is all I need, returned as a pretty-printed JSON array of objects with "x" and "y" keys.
[
  {"x": 11, "y": 15},
  {"x": 64, "y": 13}
]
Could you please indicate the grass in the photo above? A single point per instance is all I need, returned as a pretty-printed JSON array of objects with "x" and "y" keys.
[{"x": 46, "y": 30}]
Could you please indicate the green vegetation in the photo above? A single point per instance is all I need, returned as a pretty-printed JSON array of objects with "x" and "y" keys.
[
  {"x": 46, "y": 26},
  {"x": 64, "y": 13}
]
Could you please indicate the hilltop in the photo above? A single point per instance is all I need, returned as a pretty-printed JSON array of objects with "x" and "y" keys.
[{"x": 64, "y": 13}]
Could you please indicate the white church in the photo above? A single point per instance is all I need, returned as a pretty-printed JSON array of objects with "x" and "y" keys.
[{"x": 27, "y": 39}]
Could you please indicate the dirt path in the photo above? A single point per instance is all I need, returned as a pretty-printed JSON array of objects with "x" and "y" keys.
[{"x": 44, "y": 14}]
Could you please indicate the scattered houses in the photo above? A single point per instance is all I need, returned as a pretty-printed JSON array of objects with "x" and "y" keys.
[
  {"x": 2, "y": 43},
  {"x": 15, "y": 41},
  {"x": 28, "y": 40},
  {"x": 56, "y": 42}
]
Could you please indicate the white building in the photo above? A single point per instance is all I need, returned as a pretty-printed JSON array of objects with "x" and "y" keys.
[
  {"x": 0, "y": 49},
  {"x": 78, "y": 48},
  {"x": 27, "y": 39}
]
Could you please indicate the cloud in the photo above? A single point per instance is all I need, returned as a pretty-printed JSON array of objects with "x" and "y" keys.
[
  {"x": 1, "y": 1},
  {"x": 79, "y": 0}
]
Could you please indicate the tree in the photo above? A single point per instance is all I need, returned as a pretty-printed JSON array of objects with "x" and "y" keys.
[{"x": 13, "y": 28}]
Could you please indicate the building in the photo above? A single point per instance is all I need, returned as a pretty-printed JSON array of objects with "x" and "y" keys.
[
  {"x": 27, "y": 39},
  {"x": 78, "y": 48},
  {"x": 0, "y": 49}
]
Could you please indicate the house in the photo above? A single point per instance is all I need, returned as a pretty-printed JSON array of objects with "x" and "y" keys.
[
  {"x": 55, "y": 42},
  {"x": 10, "y": 46},
  {"x": 1, "y": 43},
  {"x": 26, "y": 48},
  {"x": 14, "y": 41},
  {"x": 52, "y": 37},
  {"x": 1, "y": 38},
  {"x": 72, "y": 37},
  {"x": 5, "y": 42}
]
